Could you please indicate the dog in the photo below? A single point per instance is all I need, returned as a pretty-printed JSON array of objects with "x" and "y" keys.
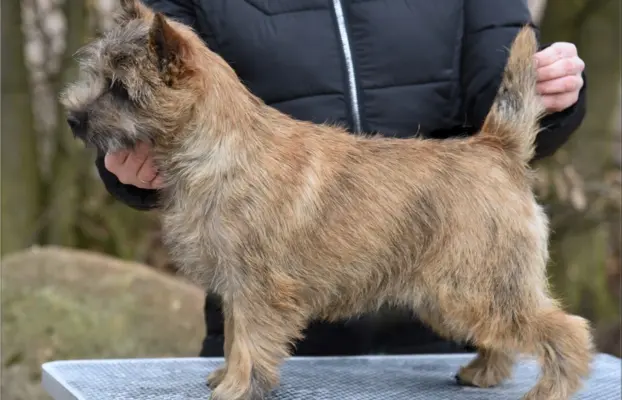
[{"x": 290, "y": 221}]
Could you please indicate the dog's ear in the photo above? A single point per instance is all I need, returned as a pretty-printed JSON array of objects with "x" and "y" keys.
[
  {"x": 131, "y": 10},
  {"x": 168, "y": 47}
]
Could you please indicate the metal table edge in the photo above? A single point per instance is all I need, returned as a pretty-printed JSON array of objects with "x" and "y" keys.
[
  {"x": 49, "y": 366},
  {"x": 56, "y": 386}
]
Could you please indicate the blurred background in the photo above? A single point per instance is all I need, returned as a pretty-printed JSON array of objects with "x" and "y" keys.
[{"x": 84, "y": 276}]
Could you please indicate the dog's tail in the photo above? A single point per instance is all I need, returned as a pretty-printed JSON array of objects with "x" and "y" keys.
[{"x": 513, "y": 119}]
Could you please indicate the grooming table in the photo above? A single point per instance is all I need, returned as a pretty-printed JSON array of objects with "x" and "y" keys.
[{"x": 429, "y": 377}]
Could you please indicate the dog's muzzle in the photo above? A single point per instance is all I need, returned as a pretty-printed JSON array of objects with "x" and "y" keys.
[{"x": 77, "y": 121}]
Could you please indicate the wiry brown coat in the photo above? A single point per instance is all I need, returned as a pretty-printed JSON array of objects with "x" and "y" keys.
[{"x": 290, "y": 221}]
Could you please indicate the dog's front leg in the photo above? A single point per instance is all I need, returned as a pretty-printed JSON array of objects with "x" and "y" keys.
[
  {"x": 261, "y": 334},
  {"x": 214, "y": 379}
]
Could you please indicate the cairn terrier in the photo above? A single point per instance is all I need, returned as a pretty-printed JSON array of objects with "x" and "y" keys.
[{"x": 290, "y": 221}]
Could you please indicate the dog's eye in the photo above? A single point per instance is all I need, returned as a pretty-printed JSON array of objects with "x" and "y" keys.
[{"x": 117, "y": 89}]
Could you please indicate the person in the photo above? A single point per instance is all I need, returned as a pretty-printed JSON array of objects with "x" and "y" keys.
[{"x": 398, "y": 68}]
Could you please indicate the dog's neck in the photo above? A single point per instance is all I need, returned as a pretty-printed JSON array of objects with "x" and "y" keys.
[{"x": 229, "y": 129}]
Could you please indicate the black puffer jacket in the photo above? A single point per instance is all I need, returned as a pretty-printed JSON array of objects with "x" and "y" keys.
[{"x": 389, "y": 66}]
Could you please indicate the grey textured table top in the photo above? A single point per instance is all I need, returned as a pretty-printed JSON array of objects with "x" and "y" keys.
[{"x": 343, "y": 378}]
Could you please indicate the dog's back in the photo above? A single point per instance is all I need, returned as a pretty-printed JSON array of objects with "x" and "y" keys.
[{"x": 419, "y": 208}]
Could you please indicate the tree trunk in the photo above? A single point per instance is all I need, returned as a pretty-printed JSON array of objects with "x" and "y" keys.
[
  {"x": 21, "y": 194},
  {"x": 70, "y": 162}
]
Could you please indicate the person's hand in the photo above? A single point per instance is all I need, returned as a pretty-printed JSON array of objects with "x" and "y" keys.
[
  {"x": 559, "y": 71},
  {"x": 134, "y": 168}
]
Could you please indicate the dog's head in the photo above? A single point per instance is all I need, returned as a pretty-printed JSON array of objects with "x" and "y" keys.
[{"x": 139, "y": 81}]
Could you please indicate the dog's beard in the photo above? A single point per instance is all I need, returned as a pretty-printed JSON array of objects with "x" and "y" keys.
[{"x": 108, "y": 143}]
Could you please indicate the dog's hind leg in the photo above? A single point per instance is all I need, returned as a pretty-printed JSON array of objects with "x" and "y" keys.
[
  {"x": 489, "y": 368},
  {"x": 561, "y": 342},
  {"x": 506, "y": 316}
]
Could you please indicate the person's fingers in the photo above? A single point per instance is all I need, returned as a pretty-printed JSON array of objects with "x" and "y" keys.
[
  {"x": 147, "y": 171},
  {"x": 134, "y": 168},
  {"x": 158, "y": 182},
  {"x": 554, "y": 53},
  {"x": 559, "y": 102},
  {"x": 560, "y": 85},
  {"x": 128, "y": 173},
  {"x": 114, "y": 161},
  {"x": 559, "y": 69}
]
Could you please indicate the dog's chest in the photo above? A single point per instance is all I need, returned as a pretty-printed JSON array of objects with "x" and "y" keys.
[{"x": 192, "y": 234}]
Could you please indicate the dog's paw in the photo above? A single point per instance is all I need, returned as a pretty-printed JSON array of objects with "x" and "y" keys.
[
  {"x": 226, "y": 388},
  {"x": 215, "y": 377},
  {"x": 481, "y": 376},
  {"x": 488, "y": 369}
]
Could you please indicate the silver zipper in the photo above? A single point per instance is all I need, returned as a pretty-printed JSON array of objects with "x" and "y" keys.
[{"x": 347, "y": 52}]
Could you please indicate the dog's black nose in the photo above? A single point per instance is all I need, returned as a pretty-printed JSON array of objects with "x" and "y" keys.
[{"x": 77, "y": 121}]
